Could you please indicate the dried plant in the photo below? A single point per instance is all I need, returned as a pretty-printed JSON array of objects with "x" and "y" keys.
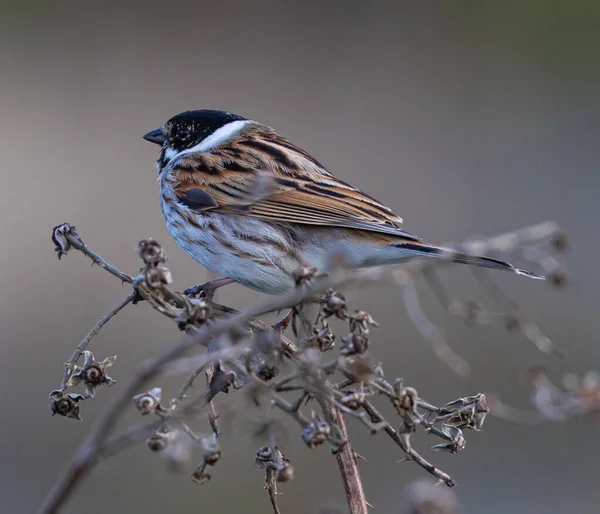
[{"x": 317, "y": 378}]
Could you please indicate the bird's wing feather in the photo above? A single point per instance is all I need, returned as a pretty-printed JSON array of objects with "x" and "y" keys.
[{"x": 265, "y": 176}]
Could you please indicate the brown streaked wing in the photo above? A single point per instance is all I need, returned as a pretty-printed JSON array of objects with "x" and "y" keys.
[{"x": 290, "y": 192}]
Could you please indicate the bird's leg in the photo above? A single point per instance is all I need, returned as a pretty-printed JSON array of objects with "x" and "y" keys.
[{"x": 208, "y": 289}]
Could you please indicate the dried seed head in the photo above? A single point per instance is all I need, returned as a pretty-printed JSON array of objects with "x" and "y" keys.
[
  {"x": 263, "y": 456},
  {"x": 361, "y": 321},
  {"x": 200, "y": 476},
  {"x": 285, "y": 472},
  {"x": 316, "y": 433},
  {"x": 60, "y": 239},
  {"x": 157, "y": 277},
  {"x": 149, "y": 401},
  {"x": 65, "y": 404},
  {"x": 158, "y": 441},
  {"x": 456, "y": 440},
  {"x": 408, "y": 398},
  {"x": 355, "y": 343},
  {"x": 92, "y": 374},
  {"x": 333, "y": 304},
  {"x": 323, "y": 339},
  {"x": 150, "y": 252}
]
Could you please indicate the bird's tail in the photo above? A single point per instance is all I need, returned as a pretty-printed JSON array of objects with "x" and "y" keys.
[{"x": 463, "y": 258}]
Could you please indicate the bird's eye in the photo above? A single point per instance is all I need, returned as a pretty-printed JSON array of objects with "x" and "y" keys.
[{"x": 184, "y": 131}]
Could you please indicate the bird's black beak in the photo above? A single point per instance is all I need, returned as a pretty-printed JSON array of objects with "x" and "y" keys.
[{"x": 156, "y": 136}]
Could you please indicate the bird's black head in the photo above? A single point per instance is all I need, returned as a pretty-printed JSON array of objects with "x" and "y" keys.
[{"x": 187, "y": 129}]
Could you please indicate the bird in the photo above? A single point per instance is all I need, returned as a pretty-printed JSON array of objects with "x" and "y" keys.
[{"x": 253, "y": 208}]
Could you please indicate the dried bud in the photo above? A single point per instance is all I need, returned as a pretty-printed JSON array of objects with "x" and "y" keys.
[
  {"x": 467, "y": 412},
  {"x": 65, "y": 404},
  {"x": 150, "y": 252},
  {"x": 361, "y": 321},
  {"x": 316, "y": 433},
  {"x": 333, "y": 304},
  {"x": 323, "y": 339},
  {"x": 408, "y": 399},
  {"x": 157, "y": 277},
  {"x": 263, "y": 456},
  {"x": 149, "y": 401},
  {"x": 60, "y": 238},
  {"x": 456, "y": 441},
  {"x": 92, "y": 374},
  {"x": 354, "y": 343}
]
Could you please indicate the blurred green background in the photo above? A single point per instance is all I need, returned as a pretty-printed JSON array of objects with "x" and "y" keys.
[{"x": 465, "y": 117}]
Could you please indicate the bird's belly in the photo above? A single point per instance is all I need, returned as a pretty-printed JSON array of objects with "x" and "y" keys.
[{"x": 247, "y": 250}]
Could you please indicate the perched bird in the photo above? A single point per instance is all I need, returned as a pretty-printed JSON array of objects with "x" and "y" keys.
[{"x": 250, "y": 206}]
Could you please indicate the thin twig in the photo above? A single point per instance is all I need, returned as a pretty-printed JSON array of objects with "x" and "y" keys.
[
  {"x": 68, "y": 232},
  {"x": 409, "y": 451},
  {"x": 70, "y": 364}
]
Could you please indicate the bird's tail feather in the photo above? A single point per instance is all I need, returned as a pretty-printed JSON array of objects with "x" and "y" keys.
[{"x": 472, "y": 260}]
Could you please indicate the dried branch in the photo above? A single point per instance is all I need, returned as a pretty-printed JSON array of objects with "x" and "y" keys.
[{"x": 244, "y": 352}]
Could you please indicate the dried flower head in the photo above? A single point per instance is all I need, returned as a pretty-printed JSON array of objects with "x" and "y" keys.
[
  {"x": 65, "y": 404},
  {"x": 316, "y": 433},
  {"x": 355, "y": 343},
  {"x": 92, "y": 374},
  {"x": 323, "y": 338},
  {"x": 149, "y": 402},
  {"x": 59, "y": 237},
  {"x": 456, "y": 441},
  {"x": 361, "y": 321},
  {"x": 333, "y": 304},
  {"x": 157, "y": 277},
  {"x": 150, "y": 252}
]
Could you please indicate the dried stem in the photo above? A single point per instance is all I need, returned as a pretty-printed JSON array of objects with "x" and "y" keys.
[
  {"x": 70, "y": 364},
  {"x": 314, "y": 380},
  {"x": 409, "y": 451},
  {"x": 346, "y": 459}
]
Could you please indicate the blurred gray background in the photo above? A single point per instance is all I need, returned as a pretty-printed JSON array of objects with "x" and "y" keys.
[{"x": 465, "y": 117}]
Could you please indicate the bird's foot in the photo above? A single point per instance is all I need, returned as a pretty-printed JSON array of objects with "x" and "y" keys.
[{"x": 208, "y": 289}]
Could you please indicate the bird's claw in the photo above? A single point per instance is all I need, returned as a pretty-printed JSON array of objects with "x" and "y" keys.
[{"x": 207, "y": 290}]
